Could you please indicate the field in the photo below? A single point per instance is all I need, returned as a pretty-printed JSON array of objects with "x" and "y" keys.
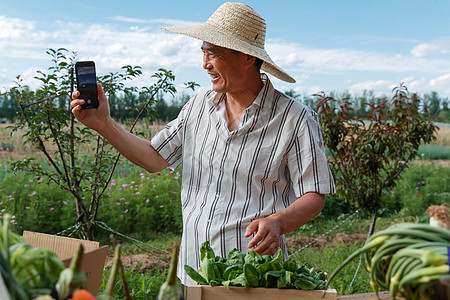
[{"x": 138, "y": 201}]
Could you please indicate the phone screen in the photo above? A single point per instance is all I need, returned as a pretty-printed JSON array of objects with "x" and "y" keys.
[{"x": 87, "y": 83}]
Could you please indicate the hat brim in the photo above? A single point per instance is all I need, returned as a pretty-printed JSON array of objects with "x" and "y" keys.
[{"x": 211, "y": 34}]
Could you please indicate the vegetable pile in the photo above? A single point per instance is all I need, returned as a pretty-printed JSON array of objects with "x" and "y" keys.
[
  {"x": 37, "y": 273},
  {"x": 253, "y": 270},
  {"x": 406, "y": 259}
]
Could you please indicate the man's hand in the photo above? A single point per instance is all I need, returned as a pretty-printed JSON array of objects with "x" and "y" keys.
[
  {"x": 267, "y": 238},
  {"x": 268, "y": 230},
  {"x": 94, "y": 118}
]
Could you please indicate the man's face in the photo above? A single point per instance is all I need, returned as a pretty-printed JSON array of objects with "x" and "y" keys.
[{"x": 225, "y": 67}]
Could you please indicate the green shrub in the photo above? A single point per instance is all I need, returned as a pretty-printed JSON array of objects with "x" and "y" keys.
[
  {"x": 420, "y": 187},
  {"x": 36, "y": 206},
  {"x": 143, "y": 202},
  {"x": 136, "y": 202}
]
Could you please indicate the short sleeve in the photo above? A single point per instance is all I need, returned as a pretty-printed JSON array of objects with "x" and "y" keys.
[
  {"x": 168, "y": 142},
  {"x": 307, "y": 162}
]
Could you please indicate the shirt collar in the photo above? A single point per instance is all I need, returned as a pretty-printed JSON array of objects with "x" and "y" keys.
[{"x": 267, "y": 88}]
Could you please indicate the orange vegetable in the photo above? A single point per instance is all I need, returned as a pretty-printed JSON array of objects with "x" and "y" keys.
[{"x": 81, "y": 294}]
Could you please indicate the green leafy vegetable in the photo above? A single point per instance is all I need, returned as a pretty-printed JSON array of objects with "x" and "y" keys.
[{"x": 253, "y": 270}]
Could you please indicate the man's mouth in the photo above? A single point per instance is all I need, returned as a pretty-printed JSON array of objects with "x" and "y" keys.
[{"x": 214, "y": 76}]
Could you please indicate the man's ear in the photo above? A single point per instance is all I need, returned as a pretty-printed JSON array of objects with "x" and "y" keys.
[{"x": 250, "y": 60}]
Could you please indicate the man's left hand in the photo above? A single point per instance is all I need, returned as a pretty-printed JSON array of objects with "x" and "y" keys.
[{"x": 267, "y": 238}]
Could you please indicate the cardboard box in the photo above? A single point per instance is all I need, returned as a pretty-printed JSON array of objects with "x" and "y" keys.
[
  {"x": 64, "y": 247},
  {"x": 206, "y": 292}
]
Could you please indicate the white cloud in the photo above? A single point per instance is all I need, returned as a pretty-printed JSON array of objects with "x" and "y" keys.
[
  {"x": 415, "y": 84},
  {"x": 301, "y": 58},
  {"x": 368, "y": 85},
  {"x": 441, "y": 80},
  {"x": 152, "y": 21},
  {"x": 14, "y": 28},
  {"x": 441, "y": 84},
  {"x": 440, "y": 46},
  {"x": 27, "y": 77},
  {"x": 113, "y": 47}
]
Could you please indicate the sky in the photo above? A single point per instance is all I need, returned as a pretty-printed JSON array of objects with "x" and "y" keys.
[{"x": 329, "y": 46}]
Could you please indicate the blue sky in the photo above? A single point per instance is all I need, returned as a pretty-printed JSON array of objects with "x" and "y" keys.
[{"x": 325, "y": 45}]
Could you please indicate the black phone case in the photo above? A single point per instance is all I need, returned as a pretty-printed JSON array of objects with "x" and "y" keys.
[{"x": 87, "y": 84}]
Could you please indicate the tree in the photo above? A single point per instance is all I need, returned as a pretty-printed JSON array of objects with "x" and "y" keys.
[
  {"x": 369, "y": 152},
  {"x": 74, "y": 166},
  {"x": 433, "y": 102}
]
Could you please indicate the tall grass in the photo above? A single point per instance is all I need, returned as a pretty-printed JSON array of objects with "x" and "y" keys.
[{"x": 442, "y": 137}]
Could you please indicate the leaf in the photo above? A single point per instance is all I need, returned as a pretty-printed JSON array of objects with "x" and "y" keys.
[
  {"x": 235, "y": 257},
  {"x": 271, "y": 278},
  {"x": 276, "y": 261},
  {"x": 215, "y": 282},
  {"x": 221, "y": 266},
  {"x": 252, "y": 257},
  {"x": 206, "y": 251},
  {"x": 232, "y": 272},
  {"x": 239, "y": 281},
  {"x": 226, "y": 283},
  {"x": 251, "y": 275},
  {"x": 195, "y": 275},
  {"x": 290, "y": 265},
  {"x": 288, "y": 275},
  {"x": 281, "y": 282},
  {"x": 304, "y": 283},
  {"x": 209, "y": 270}
]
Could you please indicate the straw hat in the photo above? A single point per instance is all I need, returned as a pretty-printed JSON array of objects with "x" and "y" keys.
[{"x": 238, "y": 27}]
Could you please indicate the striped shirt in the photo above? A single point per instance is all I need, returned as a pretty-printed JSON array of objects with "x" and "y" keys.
[{"x": 231, "y": 178}]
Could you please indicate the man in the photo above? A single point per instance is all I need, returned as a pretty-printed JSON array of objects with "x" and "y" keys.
[{"x": 253, "y": 160}]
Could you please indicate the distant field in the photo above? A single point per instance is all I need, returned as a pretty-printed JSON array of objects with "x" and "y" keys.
[{"x": 13, "y": 146}]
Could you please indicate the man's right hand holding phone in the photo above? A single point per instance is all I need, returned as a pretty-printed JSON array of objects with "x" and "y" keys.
[
  {"x": 134, "y": 148},
  {"x": 93, "y": 118}
]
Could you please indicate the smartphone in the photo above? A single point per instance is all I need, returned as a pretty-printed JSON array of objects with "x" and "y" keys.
[{"x": 87, "y": 83}]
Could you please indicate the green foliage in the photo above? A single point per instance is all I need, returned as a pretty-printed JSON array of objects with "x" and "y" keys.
[
  {"x": 141, "y": 286},
  {"x": 419, "y": 188},
  {"x": 135, "y": 203},
  {"x": 368, "y": 153},
  {"x": 36, "y": 206},
  {"x": 43, "y": 207},
  {"x": 329, "y": 258},
  {"x": 45, "y": 117},
  {"x": 438, "y": 106},
  {"x": 20, "y": 185},
  {"x": 253, "y": 270},
  {"x": 143, "y": 202}
]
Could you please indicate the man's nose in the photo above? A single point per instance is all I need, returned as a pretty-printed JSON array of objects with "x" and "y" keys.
[{"x": 206, "y": 63}]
